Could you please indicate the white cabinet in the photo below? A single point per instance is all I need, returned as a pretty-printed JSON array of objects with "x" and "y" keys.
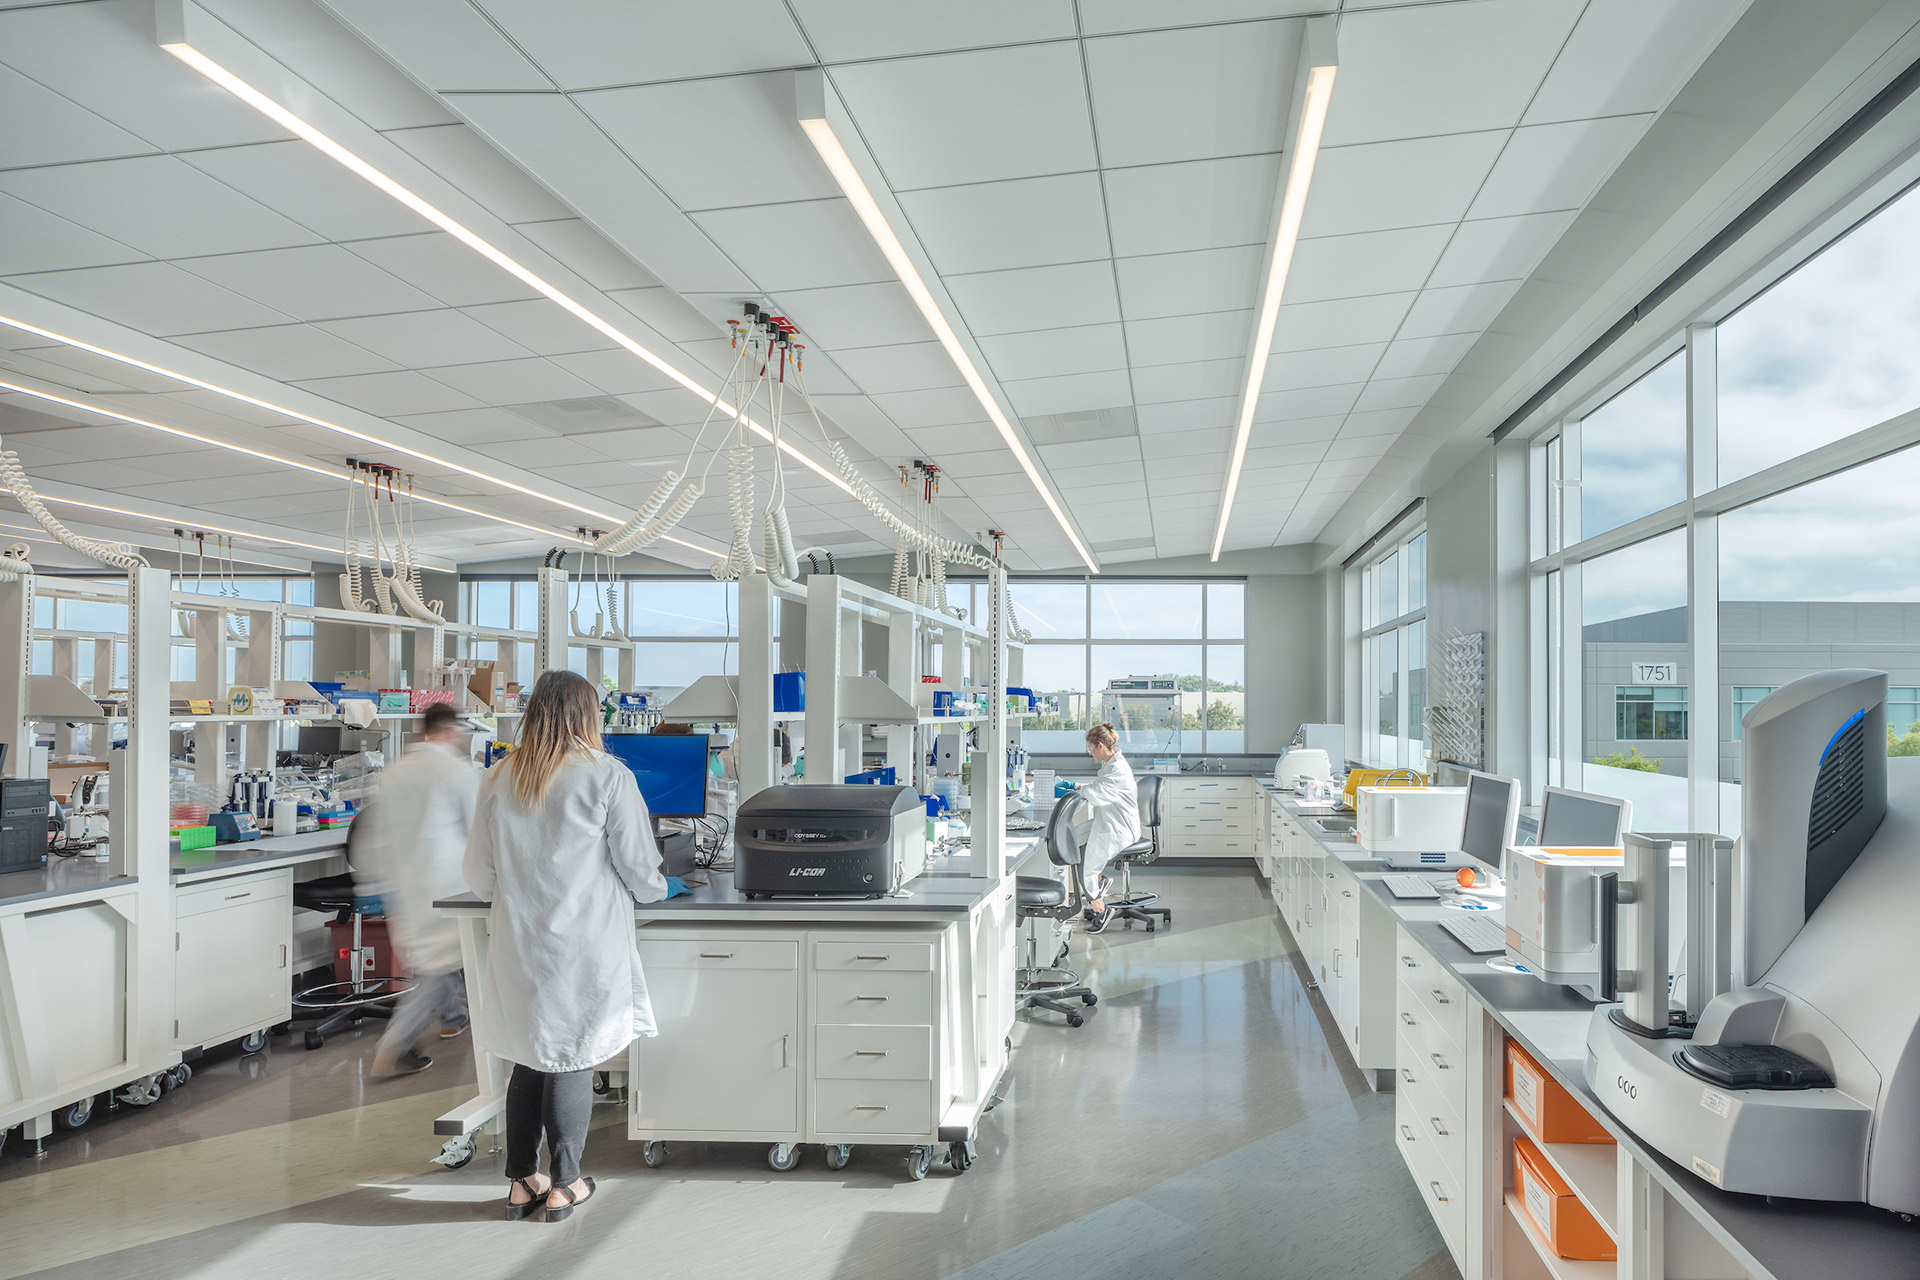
[
  {"x": 1208, "y": 817},
  {"x": 233, "y": 957},
  {"x": 729, "y": 1059},
  {"x": 1430, "y": 1066}
]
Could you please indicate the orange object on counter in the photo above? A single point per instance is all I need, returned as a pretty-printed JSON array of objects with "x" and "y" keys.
[
  {"x": 1358, "y": 778},
  {"x": 1546, "y": 1199},
  {"x": 1550, "y": 1111}
]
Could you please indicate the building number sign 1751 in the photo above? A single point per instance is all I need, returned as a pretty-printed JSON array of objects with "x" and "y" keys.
[{"x": 1656, "y": 673}]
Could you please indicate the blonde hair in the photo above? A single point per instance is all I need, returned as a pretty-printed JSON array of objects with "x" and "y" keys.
[
  {"x": 562, "y": 720},
  {"x": 1103, "y": 735}
]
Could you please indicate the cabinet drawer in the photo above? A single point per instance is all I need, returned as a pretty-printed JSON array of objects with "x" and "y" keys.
[
  {"x": 1445, "y": 1001},
  {"x": 872, "y": 1108},
  {"x": 1214, "y": 826},
  {"x": 889, "y": 997},
  {"x": 718, "y": 953},
  {"x": 1438, "y": 1185},
  {"x": 1434, "y": 1063},
  {"x": 854, "y": 1052},
  {"x": 1223, "y": 845},
  {"x": 870, "y": 957},
  {"x": 1432, "y": 1118},
  {"x": 1211, "y": 788},
  {"x": 238, "y": 890}
]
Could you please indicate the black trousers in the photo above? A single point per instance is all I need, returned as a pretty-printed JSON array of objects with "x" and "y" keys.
[{"x": 558, "y": 1103}]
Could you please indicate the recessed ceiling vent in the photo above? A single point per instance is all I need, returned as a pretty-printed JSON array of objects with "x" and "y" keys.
[
  {"x": 1087, "y": 424},
  {"x": 583, "y": 416}
]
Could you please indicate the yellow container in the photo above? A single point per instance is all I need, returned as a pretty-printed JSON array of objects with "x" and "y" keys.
[{"x": 1357, "y": 778}]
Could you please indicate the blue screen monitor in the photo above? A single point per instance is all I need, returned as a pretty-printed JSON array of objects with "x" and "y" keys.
[{"x": 671, "y": 770}]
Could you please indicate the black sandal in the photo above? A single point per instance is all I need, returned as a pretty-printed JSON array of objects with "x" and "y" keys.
[
  {"x": 535, "y": 1201},
  {"x": 566, "y": 1211}
]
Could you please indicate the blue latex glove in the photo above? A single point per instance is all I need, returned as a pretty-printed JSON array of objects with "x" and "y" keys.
[{"x": 676, "y": 887}]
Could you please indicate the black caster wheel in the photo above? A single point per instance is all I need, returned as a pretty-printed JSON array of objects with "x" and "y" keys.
[
  {"x": 181, "y": 1074},
  {"x": 838, "y": 1154},
  {"x": 465, "y": 1158},
  {"x": 960, "y": 1156},
  {"x": 600, "y": 1084},
  {"x": 1169, "y": 919},
  {"x": 1009, "y": 1044},
  {"x": 654, "y": 1153},
  {"x": 1128, "y": 924},
  {"x": 75, "y": 1116},
  {"x": 1089, "y": 999},
  {"x": 253, "y": 1042},
  {"x": 1149, "y": 926},
  {"x": 315, "y": 1039},
  {"x": 1074, "y": 1019}
]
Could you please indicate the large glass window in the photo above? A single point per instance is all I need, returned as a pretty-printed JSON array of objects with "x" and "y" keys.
[
  {"x": 1633, "y": 451},
  {"x": 1634, "y": 643},
  {"x": 1393, "y": 655}
]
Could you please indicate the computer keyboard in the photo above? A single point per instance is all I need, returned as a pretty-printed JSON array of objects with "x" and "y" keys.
[
  {"x": 1477, "y": 933},
  {"x": 1409, "y": 887}
]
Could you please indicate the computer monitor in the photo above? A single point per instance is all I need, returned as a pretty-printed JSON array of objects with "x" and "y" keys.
[
  {"x": 1578, "y": 820},
  {"x": 670, "y": 767},
  {"x": 1493, "y": 812},
  {"x": 318, "y": 740}
]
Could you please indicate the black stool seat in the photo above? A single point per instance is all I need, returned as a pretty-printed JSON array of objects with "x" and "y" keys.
[
  {"x": 1138, "y": 849},
  {"x": 1038, "y": 891}
]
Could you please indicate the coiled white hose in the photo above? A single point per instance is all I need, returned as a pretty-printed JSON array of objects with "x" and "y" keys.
[
  {"x": 739, "y": 559},
  {"x": 13, "y": 563},
  {"x": 117, "y": 555}
]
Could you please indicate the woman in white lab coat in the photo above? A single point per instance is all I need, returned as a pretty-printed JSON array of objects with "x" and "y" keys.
[
  {"x": 1111, "y": 821},
  {"x": 562, "y": 847}
]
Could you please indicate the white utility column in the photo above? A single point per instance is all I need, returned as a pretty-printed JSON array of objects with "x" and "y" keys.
[
  {"x": 852, "y": 626},
  {"x": 550, "y": 645},
  {"x": 825, "y": 601},
  {"x": 138, "y": 830},
  {"x": 903, "y": 677},
  {"x": 16, "y": 659},
  {"x": 759, "y": 762},
  {"x": 989, "y": 818}
]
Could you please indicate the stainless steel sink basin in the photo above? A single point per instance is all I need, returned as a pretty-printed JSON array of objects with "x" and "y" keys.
[
  {"x": 1335, "y": 826},
  {"x": 1316, "y": 810}
]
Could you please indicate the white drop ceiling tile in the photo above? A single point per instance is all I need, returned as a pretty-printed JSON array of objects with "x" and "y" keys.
[
  {"x": 1034, "y": 298},
  {"x": 1359, "y": 447},
  {"x": 207, "y": 464},
  {"x": 1194, "y": 380},
  {"x": 862, "y": 315},
  {"x": 1335, "y": 469},
  {"x": 62, "y": 130},
  {"x": 1193, "y": 93},
  {"x": 316, "y": 282},
  {"x": 588, "y": 254},
  {"x": 632, "y": 43},
  {"x": 1414, "y": 357},
  {"x": 1179, "y": 284},
  {"x": 96, "y": 374},
  {"x": 1102, "y": 498},
  {"x": 998, "y": 226},
  {"x": 212, "y": 410},
  {"x": 674, "y": 407},
  {"x": 157, "y": 204},
  {"x": 912, "y": 410},
  {"x": 1624, "y": 59},
  {"x": 98, "y": 473},
  {"x": 675, "y": 318},
  {"x": 956, "y": 437},
  {"x": 862, "y": 419},
  {"x": 298, "y": 182},
  {"x": 814, "y": 244},
  {"x": 905, "y": 366},
  {"x": 153, "y": 297},
  {"x": 844, "y": 30},
  {"x": 391, "y": 394},
  {"x": 1084, "y": 456},
  {"x": 1188, "y": 415},
  {"x": 1307, "y": 402},
  {"x": 445, "y": 44},
  {"x": 1099, "y": 16},
  {"x": 1070, "y": 393},
  {"x": 1322, "y": 367},
  {"x": 542, "y": 327},
  {"x": 1466, "y": 308},
  {"x": 1092, "y": 348},
  {"x": 1267, "y": 435},
  {"x": 423, "y": 338},
  {"x": 444, "y": 268},
  {"x": 988, "y": 488},
  {"x": 1193, "y": 463},
  {"x": 985, "y": 116},
  {"x": 1341, "y": 322},
  {"x": 470, "y": 426},
  {"x": 1556, "y": 166},
  {"x": 539, "y": 454},
  {"x": 474, "y": 167},
  {"x": 1201, "y": 204},
  {"x": 1167, "y": 492},
  {"x": 615, "y": 371},
  {"x": 287, "y": 352},
  {"x": 1404, "y": 183},
  {"x": 1371, "y": 262},
  {"x": 502, "y": 382},
  {"x": 1399, "y": 393},
  {"x": 675, "y": 132},
  {"x": 1443, "y": 68},
  {"x": 642, "y": 446},
  {"x": 1499, "y": 248},
  {"x": 104, "y": 55},
  {"x": 1378, "y": 422},
  {"x": 31, "y": 239},
  {"x": 1179, "y": 339}
]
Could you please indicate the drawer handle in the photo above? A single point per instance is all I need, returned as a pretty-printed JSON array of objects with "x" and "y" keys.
[
  {"x": 869, "y": 1053},
  {"x": 869, "y": 997},
  {"x": 235, "y": 897},
  {"x": 872, "y": 957},
  {"x": 1438, "y": 1128},
  {"x": 868, "y": 1106},
  {"x": 1410, "y": 962},
  {"x": 1438, "y": 1194},
  {"x": 1407, "y": 1133},
  {"x": 1441, "y": 996},
  {"x": 716, "y": 955},
  {"x": 783, "y": 1052},
  {"x": 1408, "y": 1018},
  {"x": 1439, "y": 1062},
  {"x": 1407, "y": 1075}
]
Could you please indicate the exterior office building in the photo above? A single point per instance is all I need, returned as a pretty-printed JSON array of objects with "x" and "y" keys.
[{"x": 1636, "y": 676}]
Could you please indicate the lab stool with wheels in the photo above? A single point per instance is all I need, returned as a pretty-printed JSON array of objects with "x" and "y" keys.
[
  {"x": 360, "y": 992},
  {"x": 1051, "y": 987},
  {"x": 1129, "y": 906}
]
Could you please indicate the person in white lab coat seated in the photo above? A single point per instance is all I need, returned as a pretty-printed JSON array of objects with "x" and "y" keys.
[
  {"x": 1109, "y": 820},
  {"x": 408, "y": 844},
  {"x": 562, "y": 847}
]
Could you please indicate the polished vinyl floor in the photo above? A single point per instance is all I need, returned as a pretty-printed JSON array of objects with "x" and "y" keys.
[{"x": 1199, "y": 1125}]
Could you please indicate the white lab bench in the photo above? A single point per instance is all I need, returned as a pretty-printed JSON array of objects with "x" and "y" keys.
[
  {"x": 804, "y": 1021},
  {"x": 1393, "y": 977},
  {"x": 1205, "y": 817}
]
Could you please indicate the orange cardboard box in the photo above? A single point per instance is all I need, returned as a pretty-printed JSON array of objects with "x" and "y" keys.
[
  {"x": 1570, "y": 1231},
  {"x": 1549, "y": 1110}
]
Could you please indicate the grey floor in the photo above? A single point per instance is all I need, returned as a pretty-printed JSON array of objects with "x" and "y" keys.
[{"x": 1198, "y": 1125}]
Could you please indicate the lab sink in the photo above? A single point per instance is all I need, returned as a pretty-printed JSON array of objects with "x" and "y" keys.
[{"x": 1334, "y": 826}]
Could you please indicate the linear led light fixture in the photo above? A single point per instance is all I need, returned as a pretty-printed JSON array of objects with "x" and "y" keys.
[
  {"x": 812, "y": 92},
  {"x": 199, "y": 525},
  {"x": 1317, "y": 61},
  {"x": 316, "y": 469},
  {"x": 171, "y": 21}
]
